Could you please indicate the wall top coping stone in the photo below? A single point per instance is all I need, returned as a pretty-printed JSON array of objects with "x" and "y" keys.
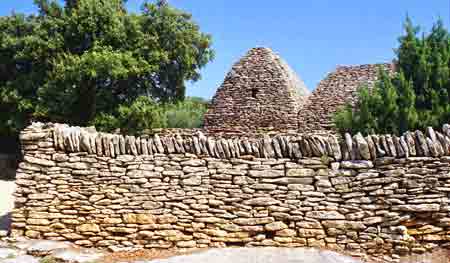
[{"x": 289, "y": 144}]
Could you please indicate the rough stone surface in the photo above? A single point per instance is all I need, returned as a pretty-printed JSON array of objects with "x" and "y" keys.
[
  {"x": 261, "y": 90},
  {"x": 386, "y": 206},
  {"x": 337, "y": 89}
]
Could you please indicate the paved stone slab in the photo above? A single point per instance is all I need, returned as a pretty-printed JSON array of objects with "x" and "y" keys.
[
  {"x": 261, "y": 255},
  {"x": 7, "y": 252},
  {"x": 42, "y": 247},
  {"x": 21, "y": 259},
  {"x": 77, "y": 255}
]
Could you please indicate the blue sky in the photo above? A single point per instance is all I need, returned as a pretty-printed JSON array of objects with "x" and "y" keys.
[{"x": 313, "y": 36}]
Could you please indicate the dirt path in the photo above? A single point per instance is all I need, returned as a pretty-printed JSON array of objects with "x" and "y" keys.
[{"x": 6, "y": 202}]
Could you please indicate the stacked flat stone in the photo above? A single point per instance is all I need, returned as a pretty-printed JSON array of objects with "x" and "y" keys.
[
  {"x": 379, "y": 195},
  {"x": 261, "y": 90},
  {"x": 358, "y": 147},
  {"x": 332, "y": 93}
]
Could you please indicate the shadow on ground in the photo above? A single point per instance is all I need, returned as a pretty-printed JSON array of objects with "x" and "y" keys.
[
  {"x": 7, "y": 188},
  {"x": 5, "y": 222}
]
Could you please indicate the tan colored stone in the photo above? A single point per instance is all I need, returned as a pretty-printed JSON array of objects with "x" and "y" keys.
[
  {"x": 320, "y": 243},
  {"x": 215, "y": 232},
  {"x": 112, "y": 220},
  {"x": 303, "y": 172},
  {"x": 73, "y": 236},
  {"x": 88, "y": 228},
  {"x": 186, "y": 244},
  {"x": 125, "y": 230},
  {"x": 40, "y": 196},
  {"x": 275, "y": 226},
  {"x": 311, "y": 233},
  {"x": 167, "y": 219},
  {"x": 253, "y": 221},
  {"x": 286, "y": 233},
  {"x": 283, "y": 239},
  {"x": 42, "y": 222},
  {"x": 139, "y": 219},
  {"x": 32, "y": 234}
]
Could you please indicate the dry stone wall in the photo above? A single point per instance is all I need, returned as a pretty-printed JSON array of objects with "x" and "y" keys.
[{"x": 379, "y": 195}]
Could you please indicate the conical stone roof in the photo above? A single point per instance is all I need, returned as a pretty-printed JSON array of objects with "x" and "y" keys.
[
  {"x": 337, "y": 89},
  {"x": 261, "y": 90}
]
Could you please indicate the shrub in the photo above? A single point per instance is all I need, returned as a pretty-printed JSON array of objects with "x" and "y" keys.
[{"x": 144, "y": 113}]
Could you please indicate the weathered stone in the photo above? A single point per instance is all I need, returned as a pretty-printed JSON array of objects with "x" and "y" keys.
[
  {"x": 275, "y": 226},
  {"x": 410, "y": 141},
  {"x": 344, "y": 225},
  {"x": 300, "y": 172},
  {"x": 300, "y": 187},
  {"x": 40, "y": 196},
  {"x": 362, "y": 146},
  {"x": 391, "y": 146},
  {"x": 372, "y": 220},
  {"x": 421, "y": 144},
  {"x": 38, "y": 161},
  {"x": 253, "y": 221},
  {"x": 356, "y": 164},
  {"x": 311, "y": 233},
  {"x": 193, "y": 180},
  {"x": 248, "y": 82},
  {"x": 418, "y": 208},
  {"x": 261, "y": 201},
  {"x": 138, "y": 219},
  {"x": 392, "y": 203},
  {"x": 325, "y": 215},
  {"x": 88, "y": 228},
  {"x": 266, "y": 173}
]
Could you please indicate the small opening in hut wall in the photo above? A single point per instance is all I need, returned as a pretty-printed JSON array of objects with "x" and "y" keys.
[{"x": 254, "y": 92}]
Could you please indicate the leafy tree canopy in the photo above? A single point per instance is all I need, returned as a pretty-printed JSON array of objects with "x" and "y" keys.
[
  {"x": 415, "y": 97},
  {"x": 87, "y": 58}
]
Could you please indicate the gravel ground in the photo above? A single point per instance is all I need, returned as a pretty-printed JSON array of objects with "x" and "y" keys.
[{"x": 6, "y": 202}]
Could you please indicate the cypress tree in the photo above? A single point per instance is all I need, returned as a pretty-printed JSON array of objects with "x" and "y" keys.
[
  {"x": 407, "y": 114},
  {"x": 417, "y": 96},
  {"x": 388, "y": 112}
]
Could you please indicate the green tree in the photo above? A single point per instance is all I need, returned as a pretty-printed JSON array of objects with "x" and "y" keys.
[
  {"x": 87, "y": 58},
  {"x": 387, "y": 113},
  {"x": 416, "y": 96},
  {"x": 407, "y": 114},
  {"x": 146, "y": 114}
]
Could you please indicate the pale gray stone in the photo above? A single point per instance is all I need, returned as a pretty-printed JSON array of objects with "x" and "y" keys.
[
  {"x": 357, "y": 164},
  {"x": 302, "y": 172},
  {"x": 362, "y": 145},
  {"x": 325, "y": 215},
  {"x": 192, "y": 181},
  {"x": 262, "y": 201}
]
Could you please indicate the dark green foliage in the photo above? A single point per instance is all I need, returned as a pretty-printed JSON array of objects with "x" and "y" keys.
[
  {"x": 186, "y": 114},
  {"x": 82, "y": 61},
  {"x": 144, "y": 114},
  {"x": 415, "y": 97}
]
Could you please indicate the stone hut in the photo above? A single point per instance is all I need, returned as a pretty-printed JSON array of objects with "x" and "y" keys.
[
  {"x": 337, "y": 89},
  {"x": 261, "y": 90}
]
